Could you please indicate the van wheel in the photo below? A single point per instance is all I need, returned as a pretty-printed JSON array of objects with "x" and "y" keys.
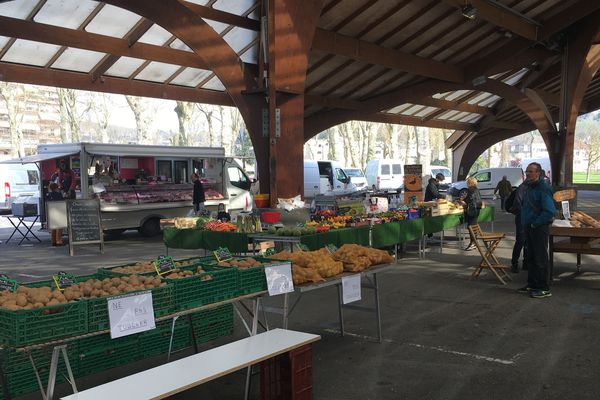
[
  {"x": 462, "y": 194},
  {"x": 150, "y": 227}
]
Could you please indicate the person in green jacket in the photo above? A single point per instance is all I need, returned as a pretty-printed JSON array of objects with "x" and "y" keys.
[{"x": 503, "y": 189}]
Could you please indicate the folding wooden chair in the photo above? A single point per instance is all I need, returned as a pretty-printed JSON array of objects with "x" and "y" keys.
[{"x": 486, "y": 244}]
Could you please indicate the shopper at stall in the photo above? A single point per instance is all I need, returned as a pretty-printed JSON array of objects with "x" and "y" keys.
[
  {"x": 432, "y": 191},
  {"x": 198, "y": 197},
  {"x": 67, "y": 181},
  {"x": 54, "y": 195},
  {"x": 513, "y": 206},
  {"x": 503, "y": 189},
  {"x": 223, "y": 215},
  {"x": 537, "y": 213},
  {"x": 472, "y": 204}
]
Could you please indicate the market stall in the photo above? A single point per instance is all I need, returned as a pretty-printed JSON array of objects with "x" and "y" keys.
[{"x": 580, "y": 236}]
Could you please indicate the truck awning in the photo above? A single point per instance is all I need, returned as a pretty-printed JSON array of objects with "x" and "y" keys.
[{"x": 37, "y": 158}]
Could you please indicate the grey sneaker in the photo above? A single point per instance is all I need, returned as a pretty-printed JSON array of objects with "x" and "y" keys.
[{"x": 540, "y": 294}]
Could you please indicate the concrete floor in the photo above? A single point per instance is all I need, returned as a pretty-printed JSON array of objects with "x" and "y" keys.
[{"x": 445, "y": 336}]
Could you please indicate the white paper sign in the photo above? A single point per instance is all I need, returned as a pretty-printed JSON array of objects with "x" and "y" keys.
[
  {"x": 351, "y": 288},
  {"x": 565, "y": 209},
  {"x": 130, "y": 314},
  {"x": 279, "y": 278}
]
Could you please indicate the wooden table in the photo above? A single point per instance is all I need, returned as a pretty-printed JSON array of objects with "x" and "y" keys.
[{"x": 578, "y": 241}]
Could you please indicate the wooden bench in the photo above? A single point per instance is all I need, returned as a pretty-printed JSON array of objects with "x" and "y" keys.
[{"x": 177, "y": 376}]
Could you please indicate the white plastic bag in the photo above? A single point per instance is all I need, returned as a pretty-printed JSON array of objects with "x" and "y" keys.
[{"x": 290, "y": 204}]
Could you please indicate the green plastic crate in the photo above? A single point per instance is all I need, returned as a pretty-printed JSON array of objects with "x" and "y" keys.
[
  {"x": 156, "y": 341},
  {"x": 211, "y": 286},
  {"x": 24, "y": 327},
  {"x": 213, "y": 315},
  {"x": 12, "y": 360},
  {"x": 111, "y": 356},
  {"x": 162, "y": 302},
  {"x": 109, "y": 272},
  {"x": 251, "y": 280}
]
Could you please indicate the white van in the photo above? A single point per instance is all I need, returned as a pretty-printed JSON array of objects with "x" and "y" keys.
[
  {"x": 357, "y": 177},
  {"x": 17, "y": 181},
  {"x": 441, "y": 169},
  {"x": 487, "y": 180},
  {"x": 326, "y": 177},
  {"x": 384, "y": 174}
]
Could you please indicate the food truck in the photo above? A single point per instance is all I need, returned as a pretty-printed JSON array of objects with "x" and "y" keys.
[{"x": 137, "y": 185}]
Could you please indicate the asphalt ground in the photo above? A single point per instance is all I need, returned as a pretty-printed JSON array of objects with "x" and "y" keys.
[{"x": 445, "y": 336}]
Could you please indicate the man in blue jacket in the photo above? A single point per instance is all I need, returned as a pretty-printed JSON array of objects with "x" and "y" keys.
[{"x": 537, "y": 212}]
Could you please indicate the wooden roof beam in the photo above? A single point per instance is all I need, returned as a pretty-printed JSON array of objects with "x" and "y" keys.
[
  {"x": 22, "y": 29},
  {"x": 416, "y": 121},
  {"x": 75, "y": 80},
  {"x": 360, "y": 50},
  {"x": 502, "y": 17}
]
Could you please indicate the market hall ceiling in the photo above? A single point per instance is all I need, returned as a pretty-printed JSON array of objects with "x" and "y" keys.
[{"x": 451, "y": 64}]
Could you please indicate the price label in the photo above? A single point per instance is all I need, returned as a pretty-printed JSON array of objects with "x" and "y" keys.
[
  {"x": 129, "y": 314},
  {"x": 351, "y": 288},
  {"x": 301, "y": 247},
  {"x": 270, "y": 251},
  {"x": 332, "y": 248},
  {"x": 222, "y": 254},
  {"x": 279, "y": 278},
  {"x": 63, "y": 280},
  {"x": 164, "y": 265},
  {"x": 565, "y": 209},
  {"x": 7, "y": 284}
]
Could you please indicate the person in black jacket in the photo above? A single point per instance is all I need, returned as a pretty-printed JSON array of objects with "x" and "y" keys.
[
  {"x": 198, "y": 198},
  {"x": 432, "y": 191},
  {"x": 472, "y": 204}
]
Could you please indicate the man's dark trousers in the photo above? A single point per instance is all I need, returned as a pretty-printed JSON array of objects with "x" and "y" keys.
[{"x": 536, "y": 257}]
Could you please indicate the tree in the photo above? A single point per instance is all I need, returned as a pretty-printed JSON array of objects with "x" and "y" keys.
[
  {"x": 100, "y": 107},
  {"x": 592, "y": 150},
  {"x": 184, "y": 111},
  {"x": 331, "y": 153},
  {"x": 208, "y": 112},
  {"x": 143, "y": 118},
  {"x": 15, "y": 97},
  {"x": 68, "y": 102}
]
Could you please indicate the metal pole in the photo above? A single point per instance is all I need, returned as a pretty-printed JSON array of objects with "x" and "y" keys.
[
  {"x": 377, "y": 307},
  {"x": 340, "y": 310}
]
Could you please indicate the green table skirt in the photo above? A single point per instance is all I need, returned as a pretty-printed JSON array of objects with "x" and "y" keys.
[
  {"x": 208, "y": 240},
  {"x": 486, "y": 214},
  {"x": 441, "y": 222}
]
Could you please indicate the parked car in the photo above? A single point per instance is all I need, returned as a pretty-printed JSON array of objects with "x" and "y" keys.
[
  {"x": 487, "y": 180},
  {"x": 384, "y": 174},
  {"x": 17, "y": 182},
  {"x": 357, "y": 177}
]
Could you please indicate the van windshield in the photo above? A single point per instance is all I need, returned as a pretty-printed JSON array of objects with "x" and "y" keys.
[{"x": 353, "y": 172}]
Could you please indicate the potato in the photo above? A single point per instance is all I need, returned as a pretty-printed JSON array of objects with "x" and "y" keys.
[{"x": 21, "y": 300}]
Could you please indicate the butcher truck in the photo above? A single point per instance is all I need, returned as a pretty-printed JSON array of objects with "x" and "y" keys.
[{"x": 138, "y": 185}]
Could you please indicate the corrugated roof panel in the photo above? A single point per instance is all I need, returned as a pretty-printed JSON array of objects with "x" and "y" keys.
[
  {"x": 157, "y": 72},
  {"x": 78, "y": 60},
  {"x": 457, "y": 94},
  {"x": 66, "y": 14},
  {"x": 471, "y": 118},
  {"x": 399, "y": 109},
  {"x": 214, "y": 84},
  {"x": 448, "y": 115},
  {"x": 250, "y": 55},
  {"x": 488, "y": 102},
  {"x": 17, "y": 9},
  {"x": 513, "y": 79},
  {"x": 179, "y": 45},
  {"x": 113, "y": 21},
  {"x": 238, "y": 38},
  {"x": 412, "y": 110},
  {"x": 156, "y": 35},
  {"x": 191, "y": 77},
  {"x": 237, "y": 7},
  {"x": 124, "y": 67},
  {"x": 479, "y": 98},
  {"x": 217, "y": 26},
  {"x": 426, "y": 111},
  {"x": 458, "y": 116},
  {"x": 3, "y": 41},
  {"x": 201, "y": 2},
  {"x": 21, "y": 52}
]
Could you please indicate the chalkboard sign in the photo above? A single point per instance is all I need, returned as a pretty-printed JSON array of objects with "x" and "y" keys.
[
  {"x": 63, "y": 280},
  {"x": 164, "y": 265},
  {"x": 222, "y": 254},
  {"x": 7, "y": 284},
  {"x": 83, "y": 217}
]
